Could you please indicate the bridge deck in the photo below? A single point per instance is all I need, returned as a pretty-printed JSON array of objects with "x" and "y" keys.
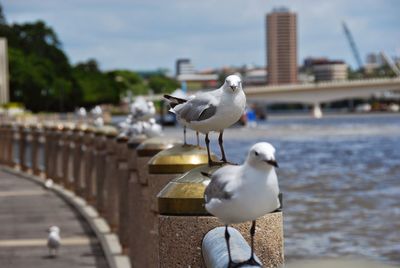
[{"x": 26, "y": 211}]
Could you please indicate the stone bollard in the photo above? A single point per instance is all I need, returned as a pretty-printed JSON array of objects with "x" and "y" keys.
[
  {"x": 163, "y": 167},
  {"x": 77, "y": 138},
  {"x": 122, "y": 176},
  {"x": 58, "y": 144},
  {"x": 3, "y": 144},
  {"x": 100, "y": 169},
  {"x": 87, "y": 172},
  {"x": 35, "y": 149},
  {"x": 66, "y": 155},
  {"x": 22, "y": 147},
  {"x": 139, "y": 157},
  {"x": 10, "y": 145},
  {"x": 125, "y": 229},
  {"x": 183, "y": 222},
  {"x": 111, "y": 183}
]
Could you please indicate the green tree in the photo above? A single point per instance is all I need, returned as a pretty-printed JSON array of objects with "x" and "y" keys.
[{"x": 162, "y": 84}]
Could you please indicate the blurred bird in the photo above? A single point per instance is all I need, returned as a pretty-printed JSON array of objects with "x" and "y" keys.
[
  {"x": 48, "y": 183},
  {"x": 152, "y": 129},
  {"x": 142, "y": 110},
  {"x": 243, "y": 193},
  {"x": 53, "y": 240},
  {"x": 212, "y": 111}
]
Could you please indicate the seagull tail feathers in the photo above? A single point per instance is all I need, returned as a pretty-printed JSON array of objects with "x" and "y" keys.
[
  {"x": 173, "y": 101},
  {"x": 208, "y": 175}
]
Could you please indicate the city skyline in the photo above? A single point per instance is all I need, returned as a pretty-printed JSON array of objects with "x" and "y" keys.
[{"x": 211, "y": 33}]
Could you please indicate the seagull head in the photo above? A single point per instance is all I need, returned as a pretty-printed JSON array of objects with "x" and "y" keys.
[
  {"x": 54, "y": 229},
  {"x": 233, "y": 83},
  {"x": 262, "y": 155}
]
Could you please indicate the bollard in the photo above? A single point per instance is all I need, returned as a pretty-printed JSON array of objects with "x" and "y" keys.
[
  {"x": 132, "y": 193},
  {"x": 22, "y": 147},
  {"x": 3, "y": 143},
  {"x": 58, "y": 144},
  {"x": 77, "y": 158},
  {"x": 163, "y": 167},
  {"x": 100, "y": 170},
  {"x": 10, "y": 146},
  {"x": 122, "y": 175},
  {"x": 111, "y": 180},
  {"x": 87, "y": 172},
  {"x": 183, "y": 222},
  {"x": 66, "y": 158},
  {"x": 35, "y": 149},
  {"x": 139, "y": 157}
]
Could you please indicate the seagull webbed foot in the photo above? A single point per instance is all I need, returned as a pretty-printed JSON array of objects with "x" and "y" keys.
[{"x": 249, "y": 262}]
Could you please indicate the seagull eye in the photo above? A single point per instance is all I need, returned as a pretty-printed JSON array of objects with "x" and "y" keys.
[{"x": 256, "y": 153}]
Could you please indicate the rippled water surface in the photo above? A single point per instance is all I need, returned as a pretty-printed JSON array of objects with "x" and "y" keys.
[{"x": 340, "y": 176}]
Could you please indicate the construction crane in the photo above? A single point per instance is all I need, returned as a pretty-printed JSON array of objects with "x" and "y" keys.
[
  {"x": 390, "y": 63},
  {"x": 352, "y": 45}
]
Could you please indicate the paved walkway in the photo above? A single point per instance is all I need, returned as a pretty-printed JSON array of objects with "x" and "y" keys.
[{"x": 26, "y": 211}]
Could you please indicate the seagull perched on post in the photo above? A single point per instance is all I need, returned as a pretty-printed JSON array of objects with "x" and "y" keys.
[
  {"x": 212, "y": 111},
  {"x": 244, "y": 193},
  {"x": 53, "y": 240}
]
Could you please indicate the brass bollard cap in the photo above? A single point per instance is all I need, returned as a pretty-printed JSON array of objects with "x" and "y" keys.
[
  {"x": 136, "y": 140},
  {"x": 151, "y": 147},
  {"x": 184, "y": 195},
  {"x": 109, "y": 131},
  {"x": 178, "y": 159}
]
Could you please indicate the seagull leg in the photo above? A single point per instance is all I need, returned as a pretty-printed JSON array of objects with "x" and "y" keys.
[
  {"x": 198, "y": 140},
  {"x": 231, "y": 264},
  {"x": 252, "y": 261},
  {"x": 207, "y": 140},
  {"x": 184, "y": 136},
  {"x": 221, "y": 146}
]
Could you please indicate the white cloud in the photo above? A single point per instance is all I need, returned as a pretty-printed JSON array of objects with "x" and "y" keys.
[{"x": 143, "y": 34}]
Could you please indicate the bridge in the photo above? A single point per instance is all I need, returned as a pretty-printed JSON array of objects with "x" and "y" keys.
[{"x": 317, "y": 93}]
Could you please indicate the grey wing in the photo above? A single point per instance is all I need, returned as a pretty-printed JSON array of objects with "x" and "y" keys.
[
  {"x": 216, "y": 189},
  {"x": 197, "y": 109}
]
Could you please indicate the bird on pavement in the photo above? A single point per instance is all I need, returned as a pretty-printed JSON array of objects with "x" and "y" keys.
[
  {"x": 53, "y": 240},
  {"x": 212, "y": 111},
  {"x": 244, "y": 193}
]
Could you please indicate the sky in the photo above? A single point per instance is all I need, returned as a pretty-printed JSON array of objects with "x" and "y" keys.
[{"x": 151, "y": 34}]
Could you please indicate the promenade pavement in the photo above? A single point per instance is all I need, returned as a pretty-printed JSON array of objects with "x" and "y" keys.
[{"x": 26, "y": 211}]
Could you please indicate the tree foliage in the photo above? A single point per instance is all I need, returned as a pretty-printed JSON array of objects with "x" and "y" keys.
[{"x": 42, "y": 78}]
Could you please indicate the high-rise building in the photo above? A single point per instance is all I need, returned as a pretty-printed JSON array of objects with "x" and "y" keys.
[
  {"x": 281, "y": 25},
  {"x": 184, "y": 66},
  {"x": 4, "y": 93}
]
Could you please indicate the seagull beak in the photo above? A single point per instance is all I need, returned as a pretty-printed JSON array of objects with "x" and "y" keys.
[
  {"x": 272, "y": 163},
  {"x": 233, "y": 87}
]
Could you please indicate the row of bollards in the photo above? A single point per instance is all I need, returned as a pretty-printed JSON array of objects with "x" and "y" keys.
[{"x": 150, "y": 191}]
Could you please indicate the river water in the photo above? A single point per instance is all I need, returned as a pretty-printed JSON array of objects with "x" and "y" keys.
[{"x": 340, "y": 176}]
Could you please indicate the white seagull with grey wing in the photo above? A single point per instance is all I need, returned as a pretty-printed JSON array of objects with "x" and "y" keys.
[
  {"x": 212, "y": 111},
  {"x": 53, "y": 240},
  {"x": 244, "y": 193}
]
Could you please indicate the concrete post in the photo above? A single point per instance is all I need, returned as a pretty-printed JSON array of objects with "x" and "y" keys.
[
  {"x": 77, "y": 159},
  {"x": 88, "y": 140},
  {"x": 3, "y": 141},
  {"x": 22, "y": 147},
  {"x": 58, "y": 149},
  {"x": 66, "y": 137},
  {"x": 183, "y": 223},
  {"x": 10, "y": 146},
  {"x": 163, "y": 167},
  {"x": 35, "y": 145},
  {"x": 100, "y": 170},
  {"x": 111, "y": 182},
  {"x": 123, "y": 179},
  {"x": 47, "y": 150}
]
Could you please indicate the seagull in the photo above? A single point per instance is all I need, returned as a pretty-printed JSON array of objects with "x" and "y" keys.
[
  {"x": 53, "y": 241},
  {"x": 48, "y": 184},
  {"x": 211, "y": 111},
  {"x": 151, "y": 129},
  {"x": 243, "y": 193},
  {"x": 142, "y": 110}
]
